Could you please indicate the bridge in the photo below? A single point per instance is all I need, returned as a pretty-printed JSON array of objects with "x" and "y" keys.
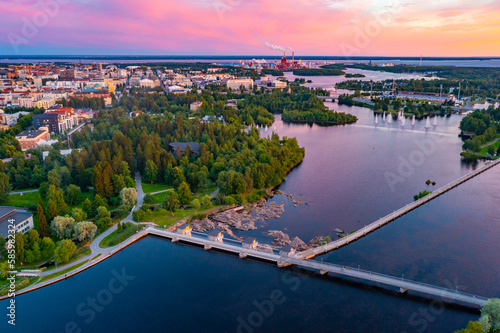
[
  {"x": 311, "y": 253},
  {"x": 327, "y": 98},
  {"x": 282, "y": 260}
]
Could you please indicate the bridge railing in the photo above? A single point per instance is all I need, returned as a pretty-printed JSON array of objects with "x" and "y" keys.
[
  {"x": 398, "y": 212},
  {"x": 359, "y": 270}
]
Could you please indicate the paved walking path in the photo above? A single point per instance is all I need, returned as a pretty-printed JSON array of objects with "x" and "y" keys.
[
  {"x": 94, "y": 246},
  {"x": 162, "y": 191}
]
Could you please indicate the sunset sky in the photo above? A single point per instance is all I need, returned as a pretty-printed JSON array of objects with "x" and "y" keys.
[{"x": 242, "y": 27}]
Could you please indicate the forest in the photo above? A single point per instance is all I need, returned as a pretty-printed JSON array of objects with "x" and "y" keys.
[
  {"x": 322, "y": 117},
  {"x": 80, "y": 194},
  {"x": 483, "y": 126},
  {"x": 482, "y": 82}
]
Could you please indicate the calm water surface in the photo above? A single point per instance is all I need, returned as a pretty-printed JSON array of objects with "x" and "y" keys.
[{"x": 351, "y": 175}]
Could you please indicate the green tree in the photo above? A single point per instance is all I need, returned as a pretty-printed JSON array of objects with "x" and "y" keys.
[
  {"x": 52, "y": 210},
  {"x": 5, "y": 187},
  {"x": 119, "y": 227},
  {"x": 63, "y": 226},
  {"x": 64, "y": 250},
  {"x": 128, "y": 196},
  {"x": 229, "y": 200},
  {"x": 47, "y": 247},
  {"x": 171, "y": 201},
  {"x": 4, "y": 270},
  {"x": 84, "y": 230},
  {"x": 72, "y": 194},
  {"x": 78, "y": 214},
  {"x": 3, "y": 250},
  {"x": 43, "y": 228},
  {"x": 491, "y": 150},
  {"x": 36, "y": 251},
  {"x": 103, "y": 217},
  {"x": 87, "y": 206},
  {"x": 98, "y": 202},
  {"x": 33, "y": 238},
  {"x": 151, "y": 172},
  {"x": 30, "y": 257},
  {"x": 195, "y": 203},
  {"x": 490, "y": 316},
  {"x": 472, "y": 327},
  {"x": 148, "y": 198},
  {"x": 207, "y": 202},
  {"x": 184, "y": 193},
  {"x": 20, "y": 247}
]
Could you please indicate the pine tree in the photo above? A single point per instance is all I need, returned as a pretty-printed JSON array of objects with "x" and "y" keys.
[
  {"x": 43, "y": 228},
  {"x": 120, "y": 227},
  {"x": 52, "y": 210}
]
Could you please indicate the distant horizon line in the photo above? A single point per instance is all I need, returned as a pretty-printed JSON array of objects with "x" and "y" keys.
[{"x": 236, "y": 57}]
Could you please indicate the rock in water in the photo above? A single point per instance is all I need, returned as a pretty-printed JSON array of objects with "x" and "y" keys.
[
  {"x": 298, "y": 244},
  {"x": 280, "y": 238}
]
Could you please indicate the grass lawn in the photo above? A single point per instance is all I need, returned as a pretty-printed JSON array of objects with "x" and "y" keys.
[
  {"x": 21, "y": 282},
  {"x": 162, "y": 217},
  {"x": 69, "y": 269},
  {"x": 116, "y": 238},
  {"x": 27, "y": 199},
  {"x": 22, "y": 200},
  {"x": 159, "y": 198},
  {"x": 484, "y": 151},
  {"x": 149, "y": 188},
  {"x": 83, "y": 196}
]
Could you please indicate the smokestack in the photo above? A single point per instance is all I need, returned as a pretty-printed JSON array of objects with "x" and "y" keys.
[{"x": 293, "y": 57}]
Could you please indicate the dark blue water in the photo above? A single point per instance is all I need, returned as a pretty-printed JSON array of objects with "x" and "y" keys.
[
  {"x": 176, "y": 288},
  {"x": 451, "y": 241}
]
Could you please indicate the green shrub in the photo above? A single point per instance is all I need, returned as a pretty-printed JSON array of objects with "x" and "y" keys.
[
  {"x": 149, "y": 199},
  {"x": 229, "y": 200}
]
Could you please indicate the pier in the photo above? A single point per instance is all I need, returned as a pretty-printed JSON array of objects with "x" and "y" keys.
[
  {"x": 399, "y": 285},
  {"x": 311, "y": 253}
]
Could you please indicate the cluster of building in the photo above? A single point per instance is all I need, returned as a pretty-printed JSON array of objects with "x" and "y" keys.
[
  {"x": 56, "y": 120},
  {"x": 283, "y": 64},
  {"x": 42, "y": 85},
  {"x": 142, "y": 78}
]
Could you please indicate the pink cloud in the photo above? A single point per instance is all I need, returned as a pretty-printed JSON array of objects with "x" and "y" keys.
[{"x": 311, "y": 27}]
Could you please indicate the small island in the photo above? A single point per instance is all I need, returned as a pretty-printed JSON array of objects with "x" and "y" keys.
[
  {"x": 321, "y": 117},
  {"x": 348, "y": 75},
  {"x": 318, "y": 72}
]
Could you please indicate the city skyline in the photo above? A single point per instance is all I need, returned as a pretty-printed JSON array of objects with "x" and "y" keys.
[{"x": 200, "y": 27}]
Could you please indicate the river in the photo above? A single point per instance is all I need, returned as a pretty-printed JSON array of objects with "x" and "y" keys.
[{"x": 351, "y": 175}]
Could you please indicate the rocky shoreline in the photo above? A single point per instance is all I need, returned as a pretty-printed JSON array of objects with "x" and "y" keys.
[{"x": 245, "y": 217}]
